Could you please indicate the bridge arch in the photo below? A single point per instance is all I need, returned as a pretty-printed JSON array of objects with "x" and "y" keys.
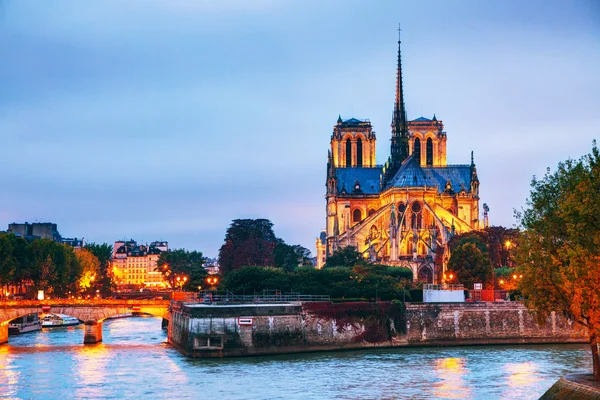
[{"x": 92, "y": 313}]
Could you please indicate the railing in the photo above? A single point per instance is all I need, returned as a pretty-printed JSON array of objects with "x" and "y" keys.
[
  {"x": 266, "y": 296},
  {"x": 444, "y": 286}
]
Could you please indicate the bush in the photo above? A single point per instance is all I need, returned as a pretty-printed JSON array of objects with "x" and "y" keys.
[{"x": 362, "y": 282}]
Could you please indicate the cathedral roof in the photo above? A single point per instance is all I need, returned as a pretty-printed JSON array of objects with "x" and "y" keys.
[
  {"x": 421, "y": 119},
  {"x": 458, "y": 175},
  {"x": 367, "y": 178},
  {"x": 410, "y": 174}
]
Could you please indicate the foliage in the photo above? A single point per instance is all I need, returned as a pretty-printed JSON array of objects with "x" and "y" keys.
[
  {"x": 345, "y": 257},
  {"x": 90, "y": 270},
  {"x": 496, "y": 241},
  {"x": 470, "y": 263},
  {"x": 103, "y": 253},
  {"x": 289, "y": 257},
  {"x": 183, "y": 264},
  {"x": 248, "y": 242},
  {"x": 338, "y": 282},
  {"x": 559, "y": 248}
]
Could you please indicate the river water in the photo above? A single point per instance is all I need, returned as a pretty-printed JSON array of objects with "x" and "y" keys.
[{"x": 134, "y": 361}]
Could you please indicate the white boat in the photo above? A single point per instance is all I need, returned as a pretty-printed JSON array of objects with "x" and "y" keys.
[
  {"x": 56, "y": 320},
  {"x": 27, "y": 323}
]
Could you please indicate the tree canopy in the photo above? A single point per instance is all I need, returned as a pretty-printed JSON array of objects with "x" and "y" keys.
[
  {"x": 183, "y": 264},
  {"x": 345, "y": 257},
  {"x": 559, "y": 248},
  {"x": 252, "y": 242},
  {"x": 470, "y": 263}
]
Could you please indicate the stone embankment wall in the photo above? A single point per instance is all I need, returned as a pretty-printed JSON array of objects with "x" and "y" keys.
[{"x": 200, "y": 330}]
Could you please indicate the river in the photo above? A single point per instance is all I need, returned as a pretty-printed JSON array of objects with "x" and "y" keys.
[{"x": 134, "y": 361}]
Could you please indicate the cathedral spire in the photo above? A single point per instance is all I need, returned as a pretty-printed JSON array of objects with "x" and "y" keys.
[
  {"x": 399, "y": 118},
  {"x": 399, "y": 147}
]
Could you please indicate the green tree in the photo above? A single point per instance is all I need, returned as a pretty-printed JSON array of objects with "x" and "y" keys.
[
  {"x": 182, "y": 264},
  {"x": 103, "y": 253},
  {"x": 289, "y": 257},
  {"x": 248, "y": 242},
  {"x": 345, "y": 257},
  {"x": 470, "y": 263},
  {"x": 8, "y": 262},
  {"x": 559, "y": 248}
]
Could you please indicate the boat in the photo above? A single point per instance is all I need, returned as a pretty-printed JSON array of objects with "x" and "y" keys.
[
  {"x": 27, "y": 323},
  {"x": 56, "y": 320}
]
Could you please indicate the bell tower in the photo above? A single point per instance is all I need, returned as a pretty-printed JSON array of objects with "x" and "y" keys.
[{"x": 353, "y": 144}]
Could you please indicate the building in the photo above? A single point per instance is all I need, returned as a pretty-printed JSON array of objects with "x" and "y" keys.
[
  {"x": 42, "y": 230},
  {"x": 134, "y": 264},
  {"x": 403, "y": 212}
]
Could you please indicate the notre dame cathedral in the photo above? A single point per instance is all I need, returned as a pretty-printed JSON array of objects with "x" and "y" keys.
[{"x": 404, "y": 212}]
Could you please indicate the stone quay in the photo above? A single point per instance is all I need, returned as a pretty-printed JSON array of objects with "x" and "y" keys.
[{"x": 225, "y": 330}]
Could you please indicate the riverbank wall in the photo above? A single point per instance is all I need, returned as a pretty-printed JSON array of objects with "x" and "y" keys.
[{"x": 202, "y": 330}]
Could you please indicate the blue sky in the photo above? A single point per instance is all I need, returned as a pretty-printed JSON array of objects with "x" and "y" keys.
[{"x": 168, "y": 119}]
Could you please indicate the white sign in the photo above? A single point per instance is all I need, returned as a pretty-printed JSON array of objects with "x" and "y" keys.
[
  {"x": 478, "y": 286},
  {"x": 245, "y": 321}
]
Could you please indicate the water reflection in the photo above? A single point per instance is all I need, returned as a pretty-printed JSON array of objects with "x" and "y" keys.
[
  {"x": 90, "y": 363},
  {"x": 520, "y": 376},
  {"x": 133, "y": 361},
  {"x": 451, "y": 371}
]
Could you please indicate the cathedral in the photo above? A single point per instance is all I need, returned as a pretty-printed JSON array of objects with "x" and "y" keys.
[{"x": 404, "y": 212}]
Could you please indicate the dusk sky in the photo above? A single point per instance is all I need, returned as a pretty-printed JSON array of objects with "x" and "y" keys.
[{"x": 167, "y": 119}]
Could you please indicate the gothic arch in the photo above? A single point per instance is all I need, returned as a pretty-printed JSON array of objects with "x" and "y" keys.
[
  {"x": 425, "y": 274},
  {"x": 356, "y": 215},
  {"x": 429, "y": 152},
  {"x": 417, "y": 150},
  {"x": 359, "y": 152},
  {"x": 348, "y": 152}
]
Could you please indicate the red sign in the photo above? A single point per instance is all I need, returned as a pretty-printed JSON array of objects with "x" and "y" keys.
[
  {"x": 136, "y": 308},
  {"x": 245, "y": 321},
  {"x": 45, "y": 308}
]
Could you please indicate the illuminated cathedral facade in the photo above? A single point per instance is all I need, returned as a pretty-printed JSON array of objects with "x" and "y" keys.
[{"x": 404, "y": 212}]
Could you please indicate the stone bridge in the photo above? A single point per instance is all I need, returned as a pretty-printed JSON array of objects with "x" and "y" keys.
[{"x": 91, "y": 312}]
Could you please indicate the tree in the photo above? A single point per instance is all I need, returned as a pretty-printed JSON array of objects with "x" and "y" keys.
[
  {"x": 559, "y": 248},
  {"x": 90, "y": 270},
  {"x": 8, "y": 262},
  {"x": 182, "y": 264},
  {"x": 103, "y": 253},
  {"x": 470, "y": 263},
  {"x": 345, "y": 257},
  {"x": 290, "y": 257},
  {"x": 248, "y": 242}
]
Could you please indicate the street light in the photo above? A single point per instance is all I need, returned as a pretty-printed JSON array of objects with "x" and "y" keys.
[{"x": 212, "y": 280}]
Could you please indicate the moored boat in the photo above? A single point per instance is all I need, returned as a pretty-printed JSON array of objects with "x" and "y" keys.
[
  {"x": 27, "y": 323},
  {"x": 56, "y": 320}
]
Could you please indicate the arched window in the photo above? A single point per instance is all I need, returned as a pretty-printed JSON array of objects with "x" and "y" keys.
[
  {"x": 356, "y": 215},
  {"x": 371, "y": 212},
  {"x": 401, "y": 209},
  {"x": 348, "y": 153},
  {"x": 425, "y": 274},
  {"x": 417, "y": 216},
  {"x": 417, "y": 150},
  {"x": 359, "y": 153},
  {"x": 429, "y": 155}
]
